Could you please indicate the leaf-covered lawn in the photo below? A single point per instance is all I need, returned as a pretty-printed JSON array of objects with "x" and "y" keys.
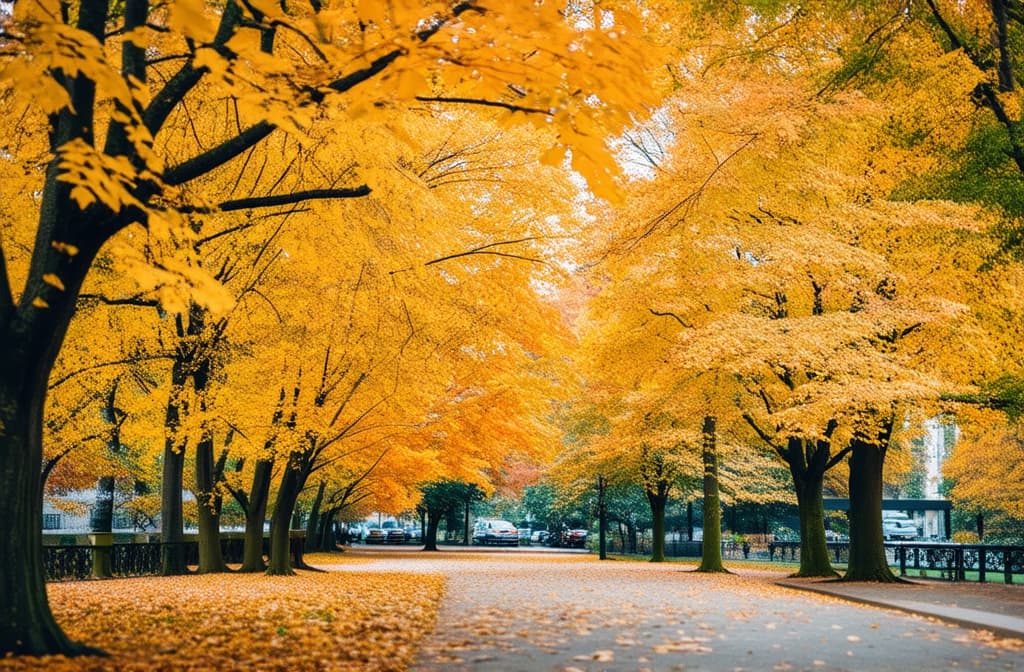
[{"x": 313, "y": 621}]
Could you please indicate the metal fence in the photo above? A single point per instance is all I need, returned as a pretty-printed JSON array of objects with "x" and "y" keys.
[
  {"x": 953, "y": 562},
  {"x": 75, "y": 561}
]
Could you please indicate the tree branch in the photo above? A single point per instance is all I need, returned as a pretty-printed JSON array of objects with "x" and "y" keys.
[
  {"x": 672, "y": 315},
  {"x": 128, "y": 360},
  {"x": 486, "y": 249},
  {"x": 485, "y": 103},
  {"x": 295, "y": 197}
]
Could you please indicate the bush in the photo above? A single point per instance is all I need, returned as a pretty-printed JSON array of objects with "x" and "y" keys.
[{"x": 966, "y": 537}]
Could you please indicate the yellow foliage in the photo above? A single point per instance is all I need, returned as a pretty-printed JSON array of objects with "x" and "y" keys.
[{"x": 315, "y": 621}]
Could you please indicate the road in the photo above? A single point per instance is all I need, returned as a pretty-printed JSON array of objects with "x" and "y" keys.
[{"x": 521, "y": 610}]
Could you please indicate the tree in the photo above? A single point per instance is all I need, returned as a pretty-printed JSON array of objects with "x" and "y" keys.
[{"x": 144, "y": 171}]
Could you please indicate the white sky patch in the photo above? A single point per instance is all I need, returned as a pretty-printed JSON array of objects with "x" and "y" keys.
[{"x": 646, "y": 145}]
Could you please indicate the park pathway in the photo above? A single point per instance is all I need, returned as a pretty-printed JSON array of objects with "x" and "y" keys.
[{"x": 520, "y": 611}]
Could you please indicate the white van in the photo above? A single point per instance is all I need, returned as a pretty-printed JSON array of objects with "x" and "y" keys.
[{"x": 898, "y": 526}]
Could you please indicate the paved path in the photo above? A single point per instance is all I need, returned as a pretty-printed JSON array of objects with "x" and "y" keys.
[
  {"x": 522, "y": 611},
  {"x": 996, "y": 607}
]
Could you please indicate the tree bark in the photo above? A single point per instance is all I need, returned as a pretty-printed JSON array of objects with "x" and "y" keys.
[
  {"x": 32, "y": 337},
  {"x": 814, "y": 557},
  {"x": 172, "y": 533},
  {"x": 867, "y": 550},
  {"x": 430, "y": 534},
  {"x": 211, "y": 556},
  {"x": 313, "y": 523},
  {"x": 711, "y": 549},
  {"x": 255, "y": 515},
  {"x": 657, "y": 500},
  {"x": 292, "y": 482}
]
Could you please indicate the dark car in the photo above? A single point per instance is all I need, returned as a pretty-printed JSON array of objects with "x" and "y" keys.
[
  {"x": 574, "y": 538},
  {"x": 395, "y": 535}
]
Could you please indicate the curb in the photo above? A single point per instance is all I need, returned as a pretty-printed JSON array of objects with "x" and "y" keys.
[{"x": 1000, "y": 625}]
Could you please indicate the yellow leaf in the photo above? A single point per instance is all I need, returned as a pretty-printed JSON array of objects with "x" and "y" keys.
[
  {"x": 54, "y": 281},
  {"x": 38, "y": 302},
  {"x": 64, "y": 248}
]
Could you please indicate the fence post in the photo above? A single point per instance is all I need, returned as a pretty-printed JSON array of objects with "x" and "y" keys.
[
  {"x": 102, "y": 548},
  {"x": 903, "y": 561},
  {"x": 958, "y": 555},
  {"x": 981, "y": 564},
  {"x": 1007, "y": 567}
]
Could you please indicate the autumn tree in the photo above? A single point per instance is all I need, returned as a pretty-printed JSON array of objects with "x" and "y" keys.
[{"x": 112, "y": 166}]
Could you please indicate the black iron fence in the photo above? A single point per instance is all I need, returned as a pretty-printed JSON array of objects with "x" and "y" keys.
[
  {"x": 953, "y": 562},
  {"x": 73, "y": 561}
]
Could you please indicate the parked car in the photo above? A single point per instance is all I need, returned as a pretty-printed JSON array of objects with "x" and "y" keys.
[
  {"x": 395, "y": 535},
  {"x": 539, "y": 537},
  {"x": 414, "y": 534},
  {"x": 487, "y": 532},
  {"x": 354, "y": 532},
  {"x": 575, "y": 538},
  {"x": 833, "y": 536},
  {"x": 375, "y": 535},
  {"x": 898, "y": 525}
]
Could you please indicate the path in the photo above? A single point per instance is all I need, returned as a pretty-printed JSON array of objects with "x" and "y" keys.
[{"x": 521, "y": 611}]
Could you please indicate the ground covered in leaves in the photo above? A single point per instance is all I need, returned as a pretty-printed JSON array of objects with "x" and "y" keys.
[
  {"x": 312, "y": 621},
  {"x": 399, "y": 609}
]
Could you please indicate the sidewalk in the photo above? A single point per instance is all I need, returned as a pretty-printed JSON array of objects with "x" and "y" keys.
[{"x": 996, "y": 607}]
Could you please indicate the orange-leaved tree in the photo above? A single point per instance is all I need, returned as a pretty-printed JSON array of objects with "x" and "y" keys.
[{"x": 106, "y": 83}]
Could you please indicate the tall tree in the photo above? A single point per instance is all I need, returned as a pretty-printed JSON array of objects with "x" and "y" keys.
[{"x": 111, "y": 166}]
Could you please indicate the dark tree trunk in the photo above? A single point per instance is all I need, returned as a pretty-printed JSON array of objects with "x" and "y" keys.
[
  {"x": 101, "y": 525},
  {"x": 27, "y": 625},
  {"x": 292, "y": 482},
  {"x": 689, "y": 521},
  {"x": 101, "y": 518},
  {"x": 211, "y": 557},
  {"x": 172, "y": 533},
  {"x": 31, "y": 338},
  {"x": 313, "y": 523},
  {"x": 867, "y": 550},
  {"x": 255, "y": 515},
  {"x": 808, "y": 461},
  {"x": 814, "y": 557},
  {"x": 657, "y": 500},
  {"x": 711, "y": 549},
  {"x": 430, "y": 534}
]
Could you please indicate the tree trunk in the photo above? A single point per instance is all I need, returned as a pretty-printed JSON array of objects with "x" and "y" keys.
[
  {"x": 430, "y": 534},
  {"x": 867, "y": 550},
  {"x": 211, "y": 556},
  {"x": 814, "y": 557},
  {"x": 292, "y": 482},
  {"x": 172, "y": 533},
  {"x": 31, "y": 338},
  {"x": 711, "y": 549},
  {"x": 101, "y": 525},
  {"x": 27, "y": 625},
  {"x": 255, "y": 515},
  {"x": 313, "y": 523},
  {"x": 657, "y": 500},
  {"x": 101, "y": 518}
]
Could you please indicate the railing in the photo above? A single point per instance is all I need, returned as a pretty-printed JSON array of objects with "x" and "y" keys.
[
  {"x": 952, "y": 562},
  {"x": 76, "y": 561}
]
